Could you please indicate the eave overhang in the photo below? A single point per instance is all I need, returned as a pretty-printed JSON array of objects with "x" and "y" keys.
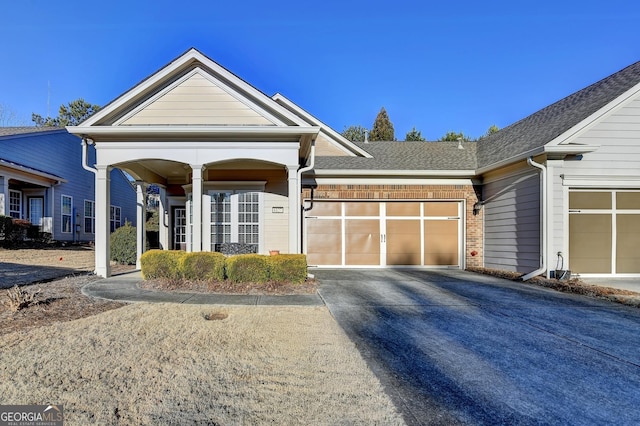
[
  {"x": 395, "y": 173},
  {"x": 27, "y": 170}
]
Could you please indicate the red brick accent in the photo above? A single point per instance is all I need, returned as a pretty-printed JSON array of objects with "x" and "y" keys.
[{"x": 473, "y": 222}]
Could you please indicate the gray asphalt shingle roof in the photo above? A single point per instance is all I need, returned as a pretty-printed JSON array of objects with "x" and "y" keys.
[
  {"x": 406, "y": 156},
  {"x": 13, "y": 131},
  {"x": 545, "y": 125}
]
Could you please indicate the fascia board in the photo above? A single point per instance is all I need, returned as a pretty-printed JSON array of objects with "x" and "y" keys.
[
  {"x": 514, "y": 159},
  {"x": 32, "y": 172},
  {"x": 191, "y": 130},
  {"x": 327, "y": 129},
  {"x": 570, "y": 149},
  {"x": 595, "y": 118}
]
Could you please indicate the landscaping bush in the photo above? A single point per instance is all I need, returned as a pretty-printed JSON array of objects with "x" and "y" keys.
[
  {"x": 124, "y": 244},
  {"x": 206, "y": 266},
  {"x": 290, "y": 268},
  {"x": 161, "y": 264},
  {"x": 252, "y": 268}
]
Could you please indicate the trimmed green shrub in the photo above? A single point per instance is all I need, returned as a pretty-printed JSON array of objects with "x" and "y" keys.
[
  {"x": 290, "y": 268},
  {"x": 161, "y": 264},
  {"x": 124, "y": 244},
  {"x": 208, "y": 266},
  {"x": 250, "y": 268}
]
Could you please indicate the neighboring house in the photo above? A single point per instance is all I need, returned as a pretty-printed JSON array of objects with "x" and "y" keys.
[
  {"x": 42, "y": 180},
  {"x": 236, "y": 166}
]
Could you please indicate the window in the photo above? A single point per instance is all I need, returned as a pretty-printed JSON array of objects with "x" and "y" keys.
[
  {"x": 89, "y": 217},
  {"x": 235, "y": 218},
  {"x": 115, "y": 218},
  {"x": 15, "y": 203},
  {"x": 67, "y": 209}
]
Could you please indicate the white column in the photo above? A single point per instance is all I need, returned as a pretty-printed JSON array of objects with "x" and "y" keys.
[
  {"x": 163, "y": 219},
  {"x": 103, "y": 216},
  {"x": 196, "y": 200},
  {"x": 4, "y": 196},
  {"x": 141, "y": 216},
  {"x": 294, "y": 209}
]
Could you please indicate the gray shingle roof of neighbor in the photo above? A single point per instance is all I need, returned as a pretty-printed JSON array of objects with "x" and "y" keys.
[
  {"x": 405, "y": 156},
  {"x": 13, "y": 131},
  {"x": 545, "y": 125}
]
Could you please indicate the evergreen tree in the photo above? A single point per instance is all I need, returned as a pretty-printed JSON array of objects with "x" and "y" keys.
[
  {"x": 414, "y": 135},
  {"x": 355, "y": 133},
  {"x": 68, "y": 115},
  {"x": 382, "y": 129}
]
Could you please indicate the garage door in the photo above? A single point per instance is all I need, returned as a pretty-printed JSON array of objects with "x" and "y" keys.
[
  {"x": 353, "y": 233},
  {"x": 604, "y": 232}
]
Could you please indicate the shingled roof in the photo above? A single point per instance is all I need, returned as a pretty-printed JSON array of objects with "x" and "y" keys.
[
  {"x": 406, "y": 156},
  {"x": 13, "y": 131},
  {"x": 545, "y": 125}
]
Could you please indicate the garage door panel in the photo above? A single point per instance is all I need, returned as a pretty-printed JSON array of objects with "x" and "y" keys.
[
  {"x": 403, "y": 242},
  {"x": 326, "y": 209},
  {"x": 362, "y": 209},
  {"x": 403, "y": 209},
  {"x": 628, "y": 243},
  {"x": 362, "y": 242},
  {"x": 324, "y": 241},
  {"x": 590, "y": 243},
  {"x": 441, "y": 243},
  {"x": 441, "y": 209}
]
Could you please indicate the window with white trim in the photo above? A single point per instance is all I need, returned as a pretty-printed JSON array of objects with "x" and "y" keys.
[
  {"x": 235, "y": 217},
  {"x": 89, "y": 217},
  {"x": 15, "y": 203},
  {"x": 115, "y": 218},
  {"x": 66, "y": 210}
]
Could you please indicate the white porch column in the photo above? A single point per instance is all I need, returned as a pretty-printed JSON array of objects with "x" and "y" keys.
[
  {"x": 141, "y": 216},
  {"x": 196, "y": 200},
  {"x": 103, "y": 217},
  {"x": 163, "y": 218},
  {"x": 294, "y": 209},
  {"x": 4, "y": 196}
]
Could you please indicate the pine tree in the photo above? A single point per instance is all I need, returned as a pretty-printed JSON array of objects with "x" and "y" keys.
[
  {"x": 414, "y": 135},
  {"x": 382, "y": 129}
]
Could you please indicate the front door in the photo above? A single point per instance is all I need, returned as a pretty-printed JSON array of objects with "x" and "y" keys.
[
  {"x": 36, "y": 210},
  {"x": 179, "y": 228}
]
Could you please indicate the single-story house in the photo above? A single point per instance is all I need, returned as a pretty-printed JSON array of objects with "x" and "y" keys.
[
  {"x": 236, "y": 166},
  {"x": 42, "y": 180}
]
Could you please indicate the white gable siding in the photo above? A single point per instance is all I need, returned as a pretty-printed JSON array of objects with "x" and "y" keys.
[
  {"x": 618, "y": 136},
  {"x": 512, "y": 222},
  {"x": 198, "y": 101}
]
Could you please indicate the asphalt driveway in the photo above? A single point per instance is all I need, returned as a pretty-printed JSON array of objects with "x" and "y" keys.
[{"x": 453, "y": 347}]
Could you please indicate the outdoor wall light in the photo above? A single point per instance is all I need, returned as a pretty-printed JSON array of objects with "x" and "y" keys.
[{"x": 477, "y": 207}]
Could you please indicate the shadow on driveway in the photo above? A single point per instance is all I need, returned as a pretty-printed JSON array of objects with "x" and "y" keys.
[{"x": 453, "y": 347}]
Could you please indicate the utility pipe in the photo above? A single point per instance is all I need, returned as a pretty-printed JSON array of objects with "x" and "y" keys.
[{"x": 543, "y": 210}]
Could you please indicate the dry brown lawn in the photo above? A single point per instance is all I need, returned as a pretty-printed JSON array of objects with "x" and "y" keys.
[{"x": 150, "y": 364}]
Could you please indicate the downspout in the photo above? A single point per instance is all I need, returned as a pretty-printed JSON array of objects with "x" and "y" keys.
[
  {"x": 543, "y": 210},
  {"x": 312, "y": 163},
  {"x": 87, "y": 141}
]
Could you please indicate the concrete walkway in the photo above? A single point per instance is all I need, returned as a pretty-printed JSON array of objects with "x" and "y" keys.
[{"x": 125, "y": 288}]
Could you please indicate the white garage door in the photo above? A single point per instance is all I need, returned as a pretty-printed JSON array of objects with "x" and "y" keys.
[{"x": 367, "y": 233}]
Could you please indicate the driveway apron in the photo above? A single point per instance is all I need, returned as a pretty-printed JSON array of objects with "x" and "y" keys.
[{"x": 451, "y": 347}]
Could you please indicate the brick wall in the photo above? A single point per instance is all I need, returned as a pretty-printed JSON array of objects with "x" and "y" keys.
[{"x": 473, "y": 223}]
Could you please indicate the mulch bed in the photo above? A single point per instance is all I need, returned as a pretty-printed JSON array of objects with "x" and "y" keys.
[
  {"x": 573, "y": 286},
  {"x": 310, "y": 286}
]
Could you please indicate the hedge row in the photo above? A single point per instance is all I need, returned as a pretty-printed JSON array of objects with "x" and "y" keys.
[{"x": 213, "y": 266}]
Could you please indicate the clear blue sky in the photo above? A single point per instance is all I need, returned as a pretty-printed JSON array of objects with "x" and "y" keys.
[{"x": 438, "y": 66}]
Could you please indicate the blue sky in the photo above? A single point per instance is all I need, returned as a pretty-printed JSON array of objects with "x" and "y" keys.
[{"x": 438, "y": 66}]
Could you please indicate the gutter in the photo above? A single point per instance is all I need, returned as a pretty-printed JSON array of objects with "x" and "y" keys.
[{"x": 543, "y": 210}]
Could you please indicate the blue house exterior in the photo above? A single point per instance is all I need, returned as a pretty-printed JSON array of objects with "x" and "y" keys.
[{"x": 42, "y": 180}]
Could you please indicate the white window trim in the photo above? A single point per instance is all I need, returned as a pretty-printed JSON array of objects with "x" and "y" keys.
[
  {"x": 20, "y": 207},
  {"x": 112, "y": 218},
  {"x": 62, "y": 214},
  {"x": 92, "y": 216}
]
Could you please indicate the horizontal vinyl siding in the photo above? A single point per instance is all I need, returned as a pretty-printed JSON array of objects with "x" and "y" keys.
[
  {"x": 512, "y": 222},
  {"x": 618, "y": 138}
]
